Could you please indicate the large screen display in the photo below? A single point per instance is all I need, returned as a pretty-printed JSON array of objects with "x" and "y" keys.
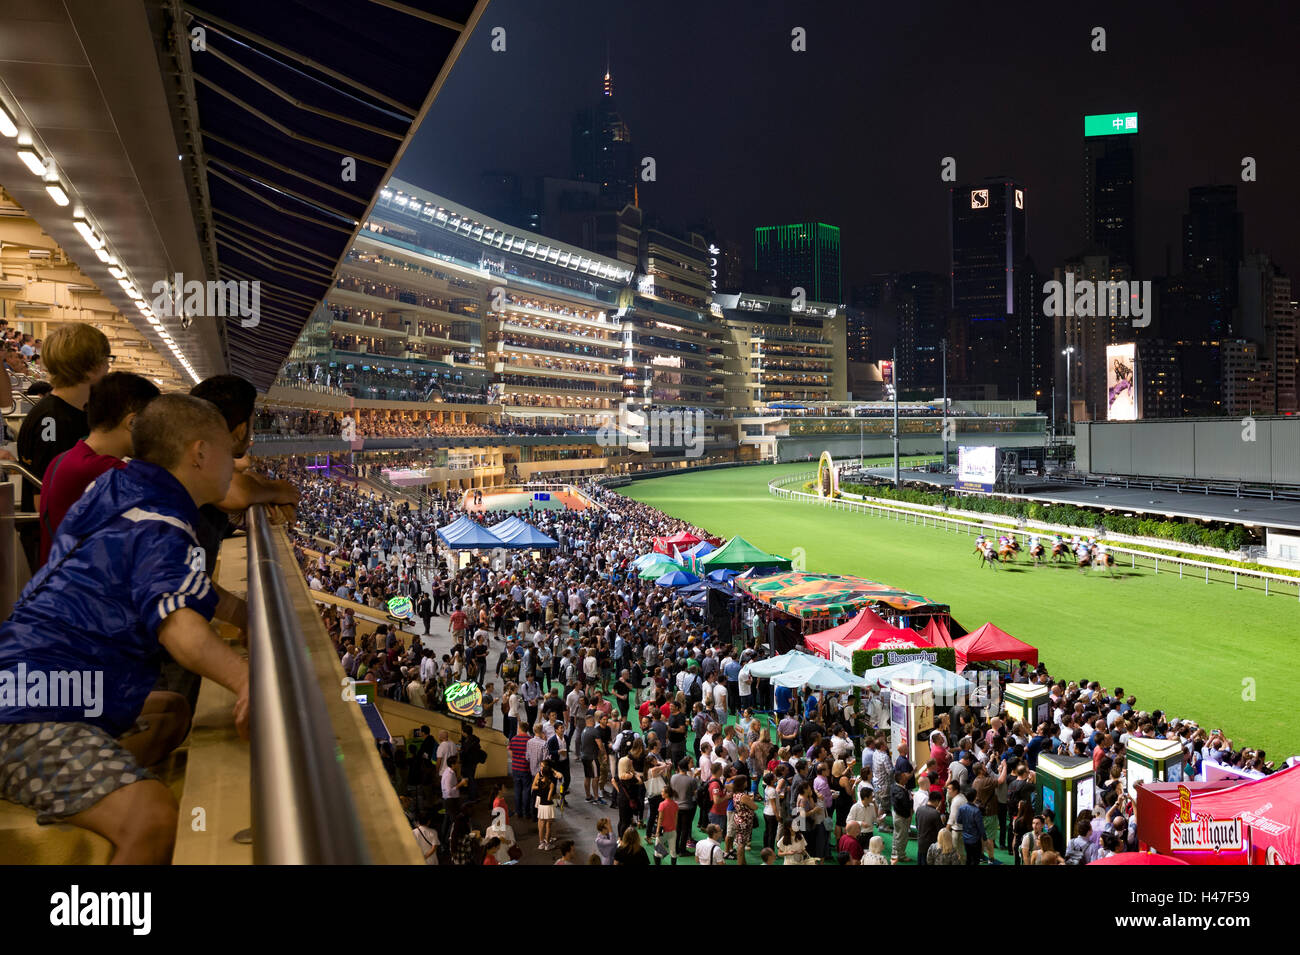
[
  {"x": 977, "y": 468},
  {"x": 1122, "y": 383}
]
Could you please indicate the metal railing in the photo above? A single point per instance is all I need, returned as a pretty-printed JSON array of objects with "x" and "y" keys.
[
  {"x": 1241, "y": 576},
  {"x": 302, "y": 807}
]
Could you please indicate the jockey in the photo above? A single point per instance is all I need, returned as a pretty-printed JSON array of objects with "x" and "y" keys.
[
  {"x": 1082, "y": 550},
  {"x": 1033, "y": 541},
  {"x": 979, "y": 542}
]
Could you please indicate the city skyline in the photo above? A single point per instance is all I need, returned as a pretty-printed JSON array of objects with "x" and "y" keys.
[{"x": 831, "y": 168}]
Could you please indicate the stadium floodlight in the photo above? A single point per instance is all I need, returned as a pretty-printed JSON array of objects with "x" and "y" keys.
[{"x": 8, "y": 128}]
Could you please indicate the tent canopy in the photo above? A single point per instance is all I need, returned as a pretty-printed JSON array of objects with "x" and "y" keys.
[
  {"x": 937, "y": 633},
  {"x": 680, "y": 541},
  {"x": 992, "y": 643},
  {"x": 784, "y": 661},
  {"x": 945, "y": 681},
  {"x": 654, "y": 569},
  {"x": 866, "y": 621},
  {"x": 818, "y": 674},
  {"x": 738, "y": 554},
  {"x": 677, "y": 578},
  {"x": 465, "y": 534},
  {"x": 519, "y": 533},
  {"x": 820, "y": 595}
]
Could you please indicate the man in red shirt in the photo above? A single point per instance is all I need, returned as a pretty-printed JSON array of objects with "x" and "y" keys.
[
  {"x": 457, "y": 625},
  {"x": 939, "y": 753},
  {"x": 850, "y": 848},
  {"x": 114, "y": 402}
]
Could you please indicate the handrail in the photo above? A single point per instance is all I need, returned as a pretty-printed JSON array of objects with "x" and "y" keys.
[
  {"x": 6, "y": 465},
  {"x": 303, "y": 811}
]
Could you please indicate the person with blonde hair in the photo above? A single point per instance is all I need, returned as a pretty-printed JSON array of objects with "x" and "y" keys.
[
  {"x": 945, "y": 852},
  {"x": 875, "y": 854},
  {"x": 76, "y": 356}
]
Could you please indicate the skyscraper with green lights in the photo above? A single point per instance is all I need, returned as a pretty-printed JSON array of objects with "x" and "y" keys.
[{"x": 806, "y": 254}]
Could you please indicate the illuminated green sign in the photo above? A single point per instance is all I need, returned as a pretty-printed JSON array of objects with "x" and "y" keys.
[{"x": 1110, "y": 124}]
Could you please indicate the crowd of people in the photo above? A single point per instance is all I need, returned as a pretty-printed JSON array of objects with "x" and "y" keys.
[
  {"x": 585, "y": 668},
  {"x": 589, "y": 671}
]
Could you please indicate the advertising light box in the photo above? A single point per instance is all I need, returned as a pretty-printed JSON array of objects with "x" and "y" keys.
[{"x": 977, "y": 468}]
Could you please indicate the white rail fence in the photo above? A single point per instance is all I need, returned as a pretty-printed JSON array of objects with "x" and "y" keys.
[{"x": 1212, "y": 573}]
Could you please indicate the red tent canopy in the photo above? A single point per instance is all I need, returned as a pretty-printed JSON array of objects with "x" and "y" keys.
[
  {"x": 1269, "y": 810},
  {"x": 936, "y": 633},
  {"x": 665, "y": 545},
  {"x": 859, "y": 626},
  {"x": 991, "y": 643},
  {"x": 1139, "y": 858}
]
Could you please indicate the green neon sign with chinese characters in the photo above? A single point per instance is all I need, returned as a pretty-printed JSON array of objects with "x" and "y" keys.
[{"x": 1110, "y": 124}]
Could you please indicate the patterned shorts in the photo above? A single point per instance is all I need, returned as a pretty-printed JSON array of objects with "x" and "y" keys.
[{"x": 61, "y": 769}]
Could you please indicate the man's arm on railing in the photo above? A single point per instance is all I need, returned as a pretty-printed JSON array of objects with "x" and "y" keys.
[
  {"x": 191, "y": 642},
  {"x": 248, "y": 489}
]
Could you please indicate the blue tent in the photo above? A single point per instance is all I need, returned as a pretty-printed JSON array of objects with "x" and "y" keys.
[
  {"x": 722, "y": 575},
  {"x": 677, "y": 578},
  {"x": 517, "y": 533},
  {"x": 465, "y": 534}
]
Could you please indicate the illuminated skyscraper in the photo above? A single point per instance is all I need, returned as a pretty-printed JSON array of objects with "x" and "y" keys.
[
  {"x": 804, "y": 255},
  {"x": 603, "y": 151},
  {"x": 1111, "y": 163}
]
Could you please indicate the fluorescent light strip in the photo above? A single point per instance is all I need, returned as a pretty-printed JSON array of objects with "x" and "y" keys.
[
  {"x": 87, "y": 233},
  {"x": 8, "y": 127},
  {"x": 32, "y": 160},
  {"x": 57, "y": 193}
]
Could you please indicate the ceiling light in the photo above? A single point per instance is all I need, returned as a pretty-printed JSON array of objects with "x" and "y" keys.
[
  {"x": 32, "y": 160},
  {"x": 7, "y": 125},
  {"x": 57, "y": 193},
  {"x": 87, "y": 233},
  {"x": 126, "y": 285},
  {"x": 116, "y": 270},
  {"x": 135, "y": 293},
  {"x": 102, "y": 255}
]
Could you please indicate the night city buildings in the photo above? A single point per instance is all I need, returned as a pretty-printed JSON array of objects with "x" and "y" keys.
[
  {"x": 990, "y": 297},
  {"x": 803, "y": 255}
]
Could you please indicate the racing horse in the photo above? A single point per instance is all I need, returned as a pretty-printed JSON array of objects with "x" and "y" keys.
[
  {"x": 1008, "y": 551},
  {"x": 988, "y": 556},
  {"x": 1060, "y": 551},
  {"x": 1036, "y": 553},
  {"x": 1104, "y": 561}
]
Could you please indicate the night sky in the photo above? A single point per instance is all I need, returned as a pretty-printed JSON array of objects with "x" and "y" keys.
[{"x": 747, "y": 132}]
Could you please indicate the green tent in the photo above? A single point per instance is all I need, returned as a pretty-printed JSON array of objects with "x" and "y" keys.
[
  {"x": 738, "y": 554},
  {"x": 654, "y": 569}
]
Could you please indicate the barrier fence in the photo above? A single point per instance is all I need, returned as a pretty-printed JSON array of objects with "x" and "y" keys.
[{"x": 1241, "y": 577}]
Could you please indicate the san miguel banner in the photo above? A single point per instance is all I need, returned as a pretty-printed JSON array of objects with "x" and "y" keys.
[
  {"x": 1193, "y": 832},
  {"x": 1255, "y": 822}
]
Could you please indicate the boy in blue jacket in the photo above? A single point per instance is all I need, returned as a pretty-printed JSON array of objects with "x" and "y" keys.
[{"x": 125, "y": 578}]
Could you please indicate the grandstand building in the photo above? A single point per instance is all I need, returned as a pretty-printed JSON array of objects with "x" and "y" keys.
[{"x": 776, "y": 353}]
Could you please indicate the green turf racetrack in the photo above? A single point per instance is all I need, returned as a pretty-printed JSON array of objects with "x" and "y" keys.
[{"x": 1224, "y": 658}]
